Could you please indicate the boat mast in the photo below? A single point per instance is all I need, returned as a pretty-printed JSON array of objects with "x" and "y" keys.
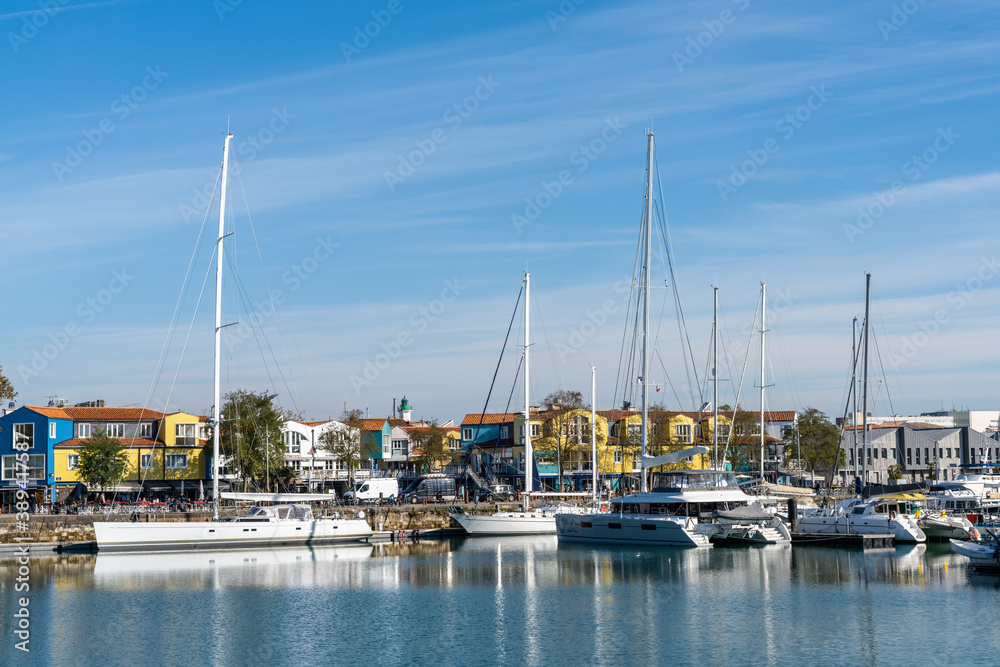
[
  {"x": 864, "y": 386},
  {"x": 218, "y": 328},
  {"x": 854, "y": 392},
  {"x": 528, "y": 454},
  {"x": 715, "y": 381},
  {"x": 593, "y": 431},
  {"x": 645, "y": 313},
  {"x": 763, "y": 329}
]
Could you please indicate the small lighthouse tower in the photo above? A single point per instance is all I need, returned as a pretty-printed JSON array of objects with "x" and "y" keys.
[{"x": 405, "y": 412}]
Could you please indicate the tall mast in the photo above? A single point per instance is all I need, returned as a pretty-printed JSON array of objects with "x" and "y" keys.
[
  {"x": 864, "y": 386},
  {"x": 218, "y": 327},
  {"x": 854, "y": 392},
  {"x": 528, "y": 454},
  {"x": 593, "y": 430},
  {"x": 763, "y": 329},
  {"x": 715, "y": 381},
  {"x": 645, "y": 310}
]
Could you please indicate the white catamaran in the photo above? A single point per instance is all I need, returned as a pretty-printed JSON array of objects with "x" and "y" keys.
[
  {"x": 283, "y": 524},
  {"x": 684, "y": 508}
]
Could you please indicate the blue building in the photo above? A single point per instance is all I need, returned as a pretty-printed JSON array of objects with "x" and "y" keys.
[{"x": 33, "y": 431}]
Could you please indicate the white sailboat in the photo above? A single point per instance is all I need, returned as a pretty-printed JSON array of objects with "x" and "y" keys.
[
  {"x": 856, "y": 515},
  {"x": 283, "y": 524},
  {"x": 526, "y": 521}
]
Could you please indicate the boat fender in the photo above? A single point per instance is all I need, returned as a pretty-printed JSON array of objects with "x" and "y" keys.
[
  {"x": 604, "y": 507},
  {"x": 974, "y": 534}
]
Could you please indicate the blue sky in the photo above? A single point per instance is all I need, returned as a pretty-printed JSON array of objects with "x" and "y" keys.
[{"x": 865, "y": 133}]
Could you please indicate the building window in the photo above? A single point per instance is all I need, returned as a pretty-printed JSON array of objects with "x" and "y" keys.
[
  {"x": 145, "y": 430},
  {"x": 536, "y": 430},
  {"x": 883, "y": 453},
  {"x": 918, "y": 455},
  {"x": 618, "y": 457},
  {"x": 146, "y": 461},
  {"x": 466, "y": 434},
  {"x": 83, "y": 431},
  {"x": 949, "y": 452},
  {"x": 52, "y": 429},
  {"x": 909, "y": 458},
  {"x": 115, "y": 431},
  {"x": 927, "y": 454},
  {"x": 293, "y": 441},
  {"x": 24, "y": 436},
  {"x": 634, "y": 430},
  {"x": 876, "y": 452},
  {"x": 72, "y": 462},
  {"x": 35, "y": 467},
  {"x": 177, "y": 461},
  {"x": 399, "y": 447},
  {"x": 723, "y": 431},
  {"x": 184, "y": 436},
  {"x": 892, "y": 453},
  {"x": 683, "y": 433},
  {"x": 504, "y": 433}
]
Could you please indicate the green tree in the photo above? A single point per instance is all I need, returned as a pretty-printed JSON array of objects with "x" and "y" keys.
[
  {"x": 816, "y": 438},
  {"x": 433, "y": 443},
  {"x": 250, "y": 436},
  {"x": 102, "y": 462},
  {"x": 564, "y": 428},
  {"x": 6, "y": 388},
  {"x": 352, "y": 445}
]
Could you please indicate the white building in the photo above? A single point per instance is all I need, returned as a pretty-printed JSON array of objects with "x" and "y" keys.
[{"x": 305, "y": 451}]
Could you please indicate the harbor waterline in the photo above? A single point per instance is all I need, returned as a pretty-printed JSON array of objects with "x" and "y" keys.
[{"x": 515, "y": 600}]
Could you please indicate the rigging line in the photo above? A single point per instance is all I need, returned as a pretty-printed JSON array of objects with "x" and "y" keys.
[
  {"x": 682, "y": 320},
  {"x": 482, "y": 415},
  {"x": 670, "y": 382},
  {"x": 545, "y": 335},
  {"x": 277, "y": 324},
  {"x": 878, "y": 307},
  {"x": 739, "y": 391},
  {"x": 241, "y": 293},
  {"x": 161, "y": 361}
]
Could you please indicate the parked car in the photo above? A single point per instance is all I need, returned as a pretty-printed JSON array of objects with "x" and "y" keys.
[
  {"x": 373, "y": 491},
  {"x": 437, "y": 488},
  {"x": 498, "y": 492}
]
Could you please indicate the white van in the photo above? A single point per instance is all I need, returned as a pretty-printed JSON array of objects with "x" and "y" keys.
[{"x": 373, "y": 490}]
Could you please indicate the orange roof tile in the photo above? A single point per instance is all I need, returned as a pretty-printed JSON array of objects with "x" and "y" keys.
[
  {"x": 53, "y": 413},
  {"x": 111, "y": 414},
  {"x": 372, "y": 424},
  {"x": 472, "y": 419}
]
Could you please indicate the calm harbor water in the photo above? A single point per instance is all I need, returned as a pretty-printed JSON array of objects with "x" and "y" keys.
[{"x": 491, "y": 601}]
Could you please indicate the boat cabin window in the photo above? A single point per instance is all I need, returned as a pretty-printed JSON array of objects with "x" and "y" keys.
[{"x": 692, "y": 479}]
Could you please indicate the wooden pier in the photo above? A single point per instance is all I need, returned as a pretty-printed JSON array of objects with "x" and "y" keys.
[{"x": 840, "y": 541}]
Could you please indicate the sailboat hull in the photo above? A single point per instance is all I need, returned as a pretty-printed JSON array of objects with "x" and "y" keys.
[
  {"x": 631, "y": 529},
  {"x": 171, "y": 536},
  {"x": 507, "y": 523}
]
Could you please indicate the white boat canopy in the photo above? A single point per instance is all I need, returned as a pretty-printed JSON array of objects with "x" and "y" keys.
[{"x": 280, "y": 497}]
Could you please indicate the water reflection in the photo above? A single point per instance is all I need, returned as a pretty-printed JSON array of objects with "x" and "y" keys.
[{"x": 524, "y": 600}]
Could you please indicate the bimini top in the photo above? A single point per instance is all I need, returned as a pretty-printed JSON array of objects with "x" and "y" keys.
[{"x": 678, "y": 480}]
